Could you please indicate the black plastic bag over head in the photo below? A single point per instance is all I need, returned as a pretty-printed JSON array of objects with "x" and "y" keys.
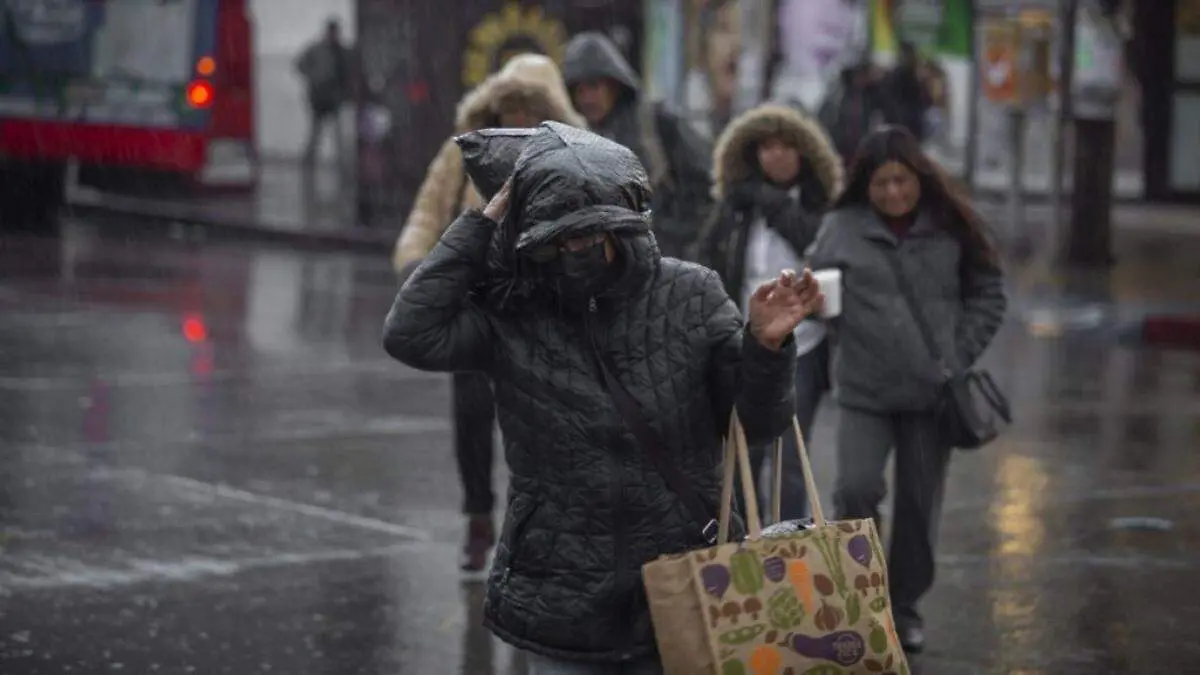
[
  {"x": 566, "y": 183},
  {"x": 572, "y": 182},
  {"x": 489, "y": 156}
]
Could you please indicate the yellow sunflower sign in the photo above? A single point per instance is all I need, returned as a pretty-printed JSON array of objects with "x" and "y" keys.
[{"x": 503, "y": 34}]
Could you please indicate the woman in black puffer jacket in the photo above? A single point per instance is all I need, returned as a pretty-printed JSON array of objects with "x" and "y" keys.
[{"x": 568, "y": 285}]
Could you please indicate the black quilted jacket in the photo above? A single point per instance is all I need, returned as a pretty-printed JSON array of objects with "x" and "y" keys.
[{"x": 586, "y": 508}]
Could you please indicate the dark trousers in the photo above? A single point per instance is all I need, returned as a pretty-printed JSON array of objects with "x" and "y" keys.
[
  {"x": 812, "y": 382},
  {"x": 865, "y": 440},
  {"x": 474, "y": 418}
]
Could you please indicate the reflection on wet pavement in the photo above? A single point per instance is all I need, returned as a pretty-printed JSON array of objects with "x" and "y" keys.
[{"x": 210, "y": 467}]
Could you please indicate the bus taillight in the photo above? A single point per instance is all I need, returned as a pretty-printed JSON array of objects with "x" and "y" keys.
[
  {"x": 206, "y": 66},
  {"x": 200, "y": 94}
]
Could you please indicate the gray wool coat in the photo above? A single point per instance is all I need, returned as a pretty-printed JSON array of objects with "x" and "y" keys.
[{"x": 881, "y": 363}]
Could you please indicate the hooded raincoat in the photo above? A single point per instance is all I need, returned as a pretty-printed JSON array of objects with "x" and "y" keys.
[
  {"x": 446, "y": 192},
  {"x": 586, "y": 506},
  {"x": 667, "y": 145}
]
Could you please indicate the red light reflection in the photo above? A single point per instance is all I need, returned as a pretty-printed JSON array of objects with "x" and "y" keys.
[{"x": 194, "y": 329}]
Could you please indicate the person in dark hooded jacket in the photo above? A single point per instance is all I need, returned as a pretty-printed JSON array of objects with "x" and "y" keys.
[
  {"x": 607, "y": 91},
  {"x": 554, "y": 288},
  {"x": 906, "y": 98}
]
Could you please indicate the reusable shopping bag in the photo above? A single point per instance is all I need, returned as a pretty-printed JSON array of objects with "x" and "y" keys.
[{"x": 807, "y": 602}]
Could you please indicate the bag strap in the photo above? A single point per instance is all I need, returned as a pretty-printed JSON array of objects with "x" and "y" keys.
[
  {"x": 914, "y": 308},
  {"x": 652, "y": 445}
]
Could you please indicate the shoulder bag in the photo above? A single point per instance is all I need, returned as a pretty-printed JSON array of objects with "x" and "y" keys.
[{"x": 972, "y": 410}]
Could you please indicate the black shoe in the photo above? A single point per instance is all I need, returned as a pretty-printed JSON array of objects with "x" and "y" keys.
[{"x": 912, "y": 639}]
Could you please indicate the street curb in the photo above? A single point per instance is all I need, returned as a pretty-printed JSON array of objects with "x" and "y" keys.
[{"x": 146, "y": 212}]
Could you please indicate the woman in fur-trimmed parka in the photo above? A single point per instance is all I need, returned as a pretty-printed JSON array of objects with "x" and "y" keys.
[
  {"x": 526, "y": 92},
  {"x": 775, "y": 171}
]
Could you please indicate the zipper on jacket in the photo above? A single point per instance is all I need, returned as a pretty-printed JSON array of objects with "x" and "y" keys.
[
  {"x": 625, "y": 640},
  {"x": 731, "y": 257},
  {"x": 515, "y": 535}
]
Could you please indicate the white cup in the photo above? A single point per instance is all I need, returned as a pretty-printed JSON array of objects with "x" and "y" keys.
[{"x": 830, "y": 281}]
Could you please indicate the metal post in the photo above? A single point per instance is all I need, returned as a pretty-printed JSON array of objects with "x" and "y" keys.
[
  {"x": 1066, "y": 66},
  {"x": 1016, "y": 170},
  {"x": 1096, "y": 90},
  {"x": 971, "y": 151}
]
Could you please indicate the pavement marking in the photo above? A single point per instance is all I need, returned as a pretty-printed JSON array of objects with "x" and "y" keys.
[
  {"x": 278, "y": 503},
  {"x": 59, "y": 573},
  {"x": 384, "y": 426},
  {"x": 212, "y": 490},
  {"x": 385, "y": 368}
]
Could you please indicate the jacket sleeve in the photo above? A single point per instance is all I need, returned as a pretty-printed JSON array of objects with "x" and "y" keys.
[
  {"x": 745, "y": 373},
  {"x": 433, "y": 325},
  {"x": 431, "y": 211},
  {"x": 984, "y": 307}
]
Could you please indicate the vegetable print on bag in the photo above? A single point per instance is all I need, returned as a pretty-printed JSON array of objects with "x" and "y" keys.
[{"x": 810, "y": 602}]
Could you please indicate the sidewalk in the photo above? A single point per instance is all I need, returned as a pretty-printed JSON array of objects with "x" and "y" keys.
[
  {"x": 289, "y": 207},
  {"x": 1136, "y": 217}
]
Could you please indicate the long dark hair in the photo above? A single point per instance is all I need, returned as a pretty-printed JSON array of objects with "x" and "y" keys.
[{"x": 945, "y": 201}]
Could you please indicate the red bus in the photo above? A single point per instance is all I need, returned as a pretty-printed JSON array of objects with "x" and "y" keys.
[{"x": 161, "y": 87}]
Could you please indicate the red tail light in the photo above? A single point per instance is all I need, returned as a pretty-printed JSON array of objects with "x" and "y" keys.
[{"x": 200, "y": 94}]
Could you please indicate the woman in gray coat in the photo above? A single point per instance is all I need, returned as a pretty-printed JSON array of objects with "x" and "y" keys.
[{"x": 897, "y": 203}]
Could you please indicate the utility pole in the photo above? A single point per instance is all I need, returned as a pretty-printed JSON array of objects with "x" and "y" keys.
[
  {"x": 971, "y": 150},
  {"x": 1095, "y": 87},
  {"x": 1066, "y": 62}
]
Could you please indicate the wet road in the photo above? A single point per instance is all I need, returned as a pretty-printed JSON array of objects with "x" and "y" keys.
[{"x": 210, "y": 467}]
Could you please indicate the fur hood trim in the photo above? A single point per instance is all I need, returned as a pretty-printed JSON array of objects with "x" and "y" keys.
[
  {"x": 733, "y": 158},
  {"x": 528, "y": 75}
]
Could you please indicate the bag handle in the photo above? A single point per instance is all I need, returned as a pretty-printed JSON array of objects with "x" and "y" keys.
[
  {"x": 914, "y": 308},
  {"x": 736, "y": 450},
  {"x": 737, "y": 459},
  {"x": 810, "y": 481},
  {"x": 991, "y": 392}
]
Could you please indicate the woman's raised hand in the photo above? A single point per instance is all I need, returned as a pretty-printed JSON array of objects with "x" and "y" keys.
[{"x": 778, "y": 306}]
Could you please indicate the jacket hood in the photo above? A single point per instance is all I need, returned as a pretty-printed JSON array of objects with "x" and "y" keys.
[
  {"x": 569, "y": 182},
  {"x": 733, "y": 154},
  {"x": 591, "y": 56},
  {"x": 528, "y": 75}
]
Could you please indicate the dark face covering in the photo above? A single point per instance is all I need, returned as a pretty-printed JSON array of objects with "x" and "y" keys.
[{"x": 582, "y": 274}]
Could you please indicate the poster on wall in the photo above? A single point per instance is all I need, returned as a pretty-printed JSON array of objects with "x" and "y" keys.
[
  {"x": 713, "y": 34},
  {"x": 816, "y": 39},
  {"x": 662, "y": 50},
  {"x": 408, "y": 109},
  {"x": 993, "y": 153},
  {"x": 741, "y": 51}
]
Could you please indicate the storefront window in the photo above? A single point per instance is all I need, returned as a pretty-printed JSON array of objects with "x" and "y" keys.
[{"x": 1185, "y": 142}]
